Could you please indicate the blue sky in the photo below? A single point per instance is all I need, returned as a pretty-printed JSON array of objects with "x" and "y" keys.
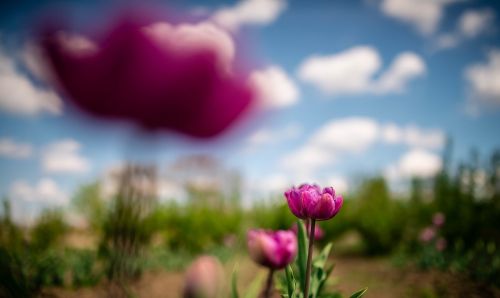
[{"x": 350, "y": 88}]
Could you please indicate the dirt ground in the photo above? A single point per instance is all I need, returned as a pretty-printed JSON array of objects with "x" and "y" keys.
[{"x": 350, "y": 274}]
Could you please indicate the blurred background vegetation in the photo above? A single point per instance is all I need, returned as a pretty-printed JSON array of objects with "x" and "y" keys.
[{"x": 132, "y": 231}]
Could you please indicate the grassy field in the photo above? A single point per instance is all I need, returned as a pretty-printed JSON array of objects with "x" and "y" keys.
[{"x": 383, "y": 279}]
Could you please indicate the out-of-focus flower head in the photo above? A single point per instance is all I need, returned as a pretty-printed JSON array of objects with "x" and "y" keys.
[
  {"x": 273, "y": 249},
  {"x": 309, "y": 201},
  {"x": 440, "y": 244},
  {"x": 438, "y": 219},
  {"x": 203, "y": 278},
  {"x": 155, "y": 74},
  {"x": 428, "y": 234},
  {"x": 318, "y": 231}
]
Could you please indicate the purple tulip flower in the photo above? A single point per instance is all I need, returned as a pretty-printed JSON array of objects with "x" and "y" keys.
[
  {"x": 154, "y": 74},
  {"x": 438, "y": 219},
  {"x": 440, "y": 244},
  {"x": 273, "y": 249},
  {"x": 310, "y": 202},
  {"x": 203, "y": 278},
  {"x": 428, "y": 234}
]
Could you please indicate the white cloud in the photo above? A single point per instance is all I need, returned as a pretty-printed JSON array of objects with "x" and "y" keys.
[
  {"x": 11, "y": 149},
  {"x": 267, "y": 136},
  {"x": 350, "y": 71},
  {"x": 307, "y": 159},
  {"x": 249, "y": 12},
  {"x": 484, "y": 78},
  {"x": 18, "y": 95},
  {"x": 274, "y": 87},
  {"x": 413, "y": 136},
  {"x": 193, "y": 37},
  {"x": 424, "y": 15},
  {"x": 355, "y": 135},
  {"x": 77, "y": 45},
  {"x": 45, "y": 191},
  {"x": 353, "y": 71},
  {"x": 35, "y": 62},
  {"x": 415, "y": 163},
  {"x": 64, "y": 157},
  {"x": 472, "y": 23},
  {"x": 447, "y": 41},
  {"x": 404, "y": 68}
]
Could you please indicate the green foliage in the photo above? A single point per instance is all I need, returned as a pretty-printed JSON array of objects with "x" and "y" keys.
[
  {"x": 379, "y": 220},
  {"x": 48, "y": 230},
  {"x": 234, "y": 286},
  {"x": 89, "y": 203},
  {"x": 470, "y": 200},
  {"x": 273, "y": 215},
  {"x": 319, "y": 273},
  {"x": 302, "y": 252},
  {"x": 196, "y": 228}
]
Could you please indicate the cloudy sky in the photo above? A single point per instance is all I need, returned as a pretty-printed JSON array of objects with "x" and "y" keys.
[{"x": 349, "y": 89}]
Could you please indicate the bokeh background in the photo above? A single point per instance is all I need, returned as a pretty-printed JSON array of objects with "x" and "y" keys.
[{"x": 394, "y": 103}]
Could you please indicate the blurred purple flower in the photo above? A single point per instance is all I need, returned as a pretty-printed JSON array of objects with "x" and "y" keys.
[
  {"x": 427, "y": 234},
  {"x": 438, "y": 219},
  {"x": 440, "y": 244},
  {"x": 273, "y": 249},
  {"x": 309, "y": 201},
  {"x": 318, "y": 232},
  {"x": 203, "y": 278},
  {"x": 154, "y": 74}
]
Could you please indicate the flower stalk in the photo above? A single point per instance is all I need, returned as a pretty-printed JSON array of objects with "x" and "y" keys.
[
  {"x": 309, "y": 257},
  {"x": 269, "y": 284}
]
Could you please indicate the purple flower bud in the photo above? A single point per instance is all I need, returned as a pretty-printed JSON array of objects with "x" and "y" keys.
[
  {"x": 440, "y": 244},
  {"x": 438, "y": 219},
  {"x": 318, "y": 232},
  {"x": 427, "y": 234},
  {"x": 203, "y": 278},
  {"x": 273, "y": 249},
  {"x": 309, "y": 201}
]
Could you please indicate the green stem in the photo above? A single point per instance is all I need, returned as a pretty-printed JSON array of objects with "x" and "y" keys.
[{"x": 309, "y": 257}]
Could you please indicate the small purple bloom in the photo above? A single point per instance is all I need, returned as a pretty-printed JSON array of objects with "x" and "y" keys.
[
  {"x": 440, "y": 244},
  {"x": 273, "y": 249},
  {"x": 203, "y": 278},
  {"x": 438, "y": 219},
  {"x": 427, "y": 234},
  {"x": 309, "y": 201}
]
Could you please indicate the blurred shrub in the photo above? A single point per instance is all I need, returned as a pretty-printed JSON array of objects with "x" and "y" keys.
[
  {"x": 379, "y": 220},
  {"x": 469, "y": 197},
  {"x": 196, "y": 228},
  {"x": 48, "y": 230},
  {"x": 83, "y": 267},
  {"x": 88, "y": 201},
  {"x": 127, "y": 227},
  {"x": 274, "y": 215}
]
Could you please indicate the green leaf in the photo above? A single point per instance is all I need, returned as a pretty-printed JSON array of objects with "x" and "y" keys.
[
  {"x": 359, "y": 293},
  {"x": 290, "y": 280},
  {"x": 319, "y": 274},
  {"x": 302, "y": 254},
  {"x": 255, "y": 286},
  {"x": 330, "y": 295},
  {"x": 234, "y": 286},
  {"x": 320, "y": 260}
]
